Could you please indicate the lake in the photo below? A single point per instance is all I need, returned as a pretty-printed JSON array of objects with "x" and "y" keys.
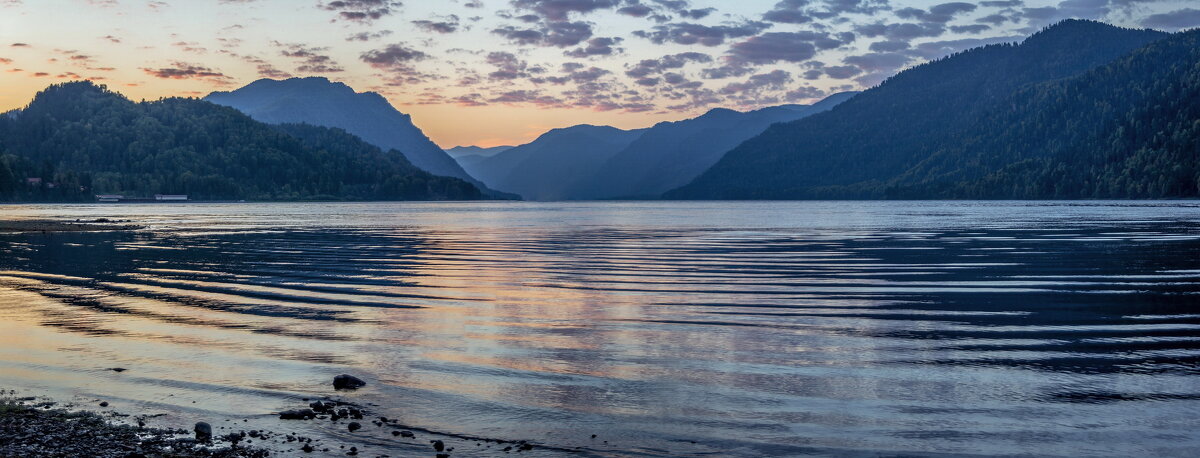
[{"x": 663, "y": 328}]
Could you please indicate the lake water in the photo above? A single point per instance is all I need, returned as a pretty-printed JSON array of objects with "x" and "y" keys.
[{"x": 664, "y": 328}]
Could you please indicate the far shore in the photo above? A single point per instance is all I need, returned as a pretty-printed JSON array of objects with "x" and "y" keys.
[{"x": 98, "y": 225}]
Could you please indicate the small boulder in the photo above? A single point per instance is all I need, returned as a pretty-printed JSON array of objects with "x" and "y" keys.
[
  {"x": 347, "y": 382},
  {"x": 408, "y": 434},
  {"x": 439, "y": 446},
  {"x": 204, "y": 432},
  {"x": 354, "y": 426},
  {"x": 104, "y": 404}
]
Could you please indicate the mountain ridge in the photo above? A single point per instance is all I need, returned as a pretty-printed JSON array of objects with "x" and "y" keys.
[
  {"x": 78, "y": 138},
  {"x": 850, "y": 151},
  {"x": 322, "y": 102}
]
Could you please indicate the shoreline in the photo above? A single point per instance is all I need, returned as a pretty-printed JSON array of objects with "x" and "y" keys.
[
  {"x": 97, "y": 225},
  {"x": 42, "y": 426},
  {"x": 31, "y": 426}
]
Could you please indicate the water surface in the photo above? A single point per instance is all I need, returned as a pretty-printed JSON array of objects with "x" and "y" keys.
[{"x": 665, "y": 328}]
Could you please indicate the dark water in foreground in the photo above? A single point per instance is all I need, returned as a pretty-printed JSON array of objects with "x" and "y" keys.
[{"x": 665, "y": 328}]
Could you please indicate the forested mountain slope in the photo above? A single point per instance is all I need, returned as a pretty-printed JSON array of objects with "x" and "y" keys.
[
  {"x": 320, "y": 102},
  {"x": 671, "y": 154},
  {"x": 81, "y": 139},
  {"x": 862, "y": 147}
]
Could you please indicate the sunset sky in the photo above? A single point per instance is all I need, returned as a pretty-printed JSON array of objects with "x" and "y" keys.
[{"x": 494, "y": 72}]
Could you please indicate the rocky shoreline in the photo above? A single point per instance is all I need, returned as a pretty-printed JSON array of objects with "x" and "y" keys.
[
  {"x": 34, "y": 427},
  {"x": 97, "y": 225}
]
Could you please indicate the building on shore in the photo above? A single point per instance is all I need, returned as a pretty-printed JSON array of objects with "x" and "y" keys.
[{"x": 171, "y": 197}]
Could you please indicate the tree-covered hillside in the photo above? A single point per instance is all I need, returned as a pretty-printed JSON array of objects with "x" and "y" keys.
[
  {"x": 1130, "y": 129},
  {"x": 368, "y": 115},
  {"x": 81, "y": 139},
  {"x": 860, "y": 148}
]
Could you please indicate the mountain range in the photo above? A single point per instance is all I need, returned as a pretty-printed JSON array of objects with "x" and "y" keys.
[
  {"x": 76, "y": 139},
  {"x": 465, "y": 151},
  {"x": 671, "y": 154},
  {"x": 321, "y": 102},
  {"x": 601, "y": 162},
  {"x": 469, "y": 156},
  {"x": 550, "y": 166},
  {"x": 1079, "y": 110}
]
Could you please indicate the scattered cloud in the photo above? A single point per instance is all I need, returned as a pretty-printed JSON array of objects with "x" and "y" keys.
[
  {"x": 186, "y": 71},
  {"x": 1175, "y": 20}
]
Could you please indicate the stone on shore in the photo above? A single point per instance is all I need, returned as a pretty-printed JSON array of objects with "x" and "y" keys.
[
  {"x": 348, "y": 382},
  {"x": 203, "y": 432}
]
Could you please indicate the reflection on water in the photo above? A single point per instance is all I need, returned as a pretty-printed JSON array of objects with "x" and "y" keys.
[{"x": 665, "y": 328}]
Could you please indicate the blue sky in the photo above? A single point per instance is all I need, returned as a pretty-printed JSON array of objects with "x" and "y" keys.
[{"x": 502, "y": 71}]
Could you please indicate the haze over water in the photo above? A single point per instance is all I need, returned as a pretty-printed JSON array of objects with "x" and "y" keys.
[{"x": 1041, "y": 328}]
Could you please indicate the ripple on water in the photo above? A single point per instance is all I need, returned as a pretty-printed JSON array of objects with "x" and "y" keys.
[{"x": 921, "y": 328}]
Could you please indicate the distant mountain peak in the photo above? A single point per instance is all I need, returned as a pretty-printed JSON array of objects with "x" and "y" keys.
[
  {"x": 321, "y": 102},
  {"x": 720, "y": 111},
  {"x": 1069, "y": 30}
]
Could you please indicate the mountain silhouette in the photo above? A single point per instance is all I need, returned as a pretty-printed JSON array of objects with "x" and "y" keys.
[
  {"x": 321, "y": 102},
  {"x": 857, "y": 149},
  {"x": 671, "y": 154},
  {"x": 548, "y": 167},
  {"x": 86, "y": 139}
]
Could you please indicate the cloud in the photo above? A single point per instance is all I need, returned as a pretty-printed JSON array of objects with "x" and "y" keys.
[
  {"x": 601, "y": 46},
  {"x": 842, "y": 72},
  {"x": 879, "y": 61},
  {"x": 311, "y": 59},
  {"x": 559, "y": 34},
  {"x": 393, "y": 55},
  {"x": 775, "y": 79},
  {"x": 789, "y": 12},
  {"x": 368, "y": 36},
  {"x": 560, "y": 10},
  {"x": 508, "y": 66},
  {"x": 397, "y": 60},
  {"x": 688, "y": 33},
  {"x": 941, "y": 14},
  {"x": 1174, "y": 20},
  {"x": 528, "y": 96},
  {"x": 186, "y": 71},
  {"x": 901, "y": 31},
  {"x": 449, "y": 24},
  {"x": 672, "y": 61},
  {"x": 520, "y": 36},
  {"x": 773, "y": 47},
  {"x": 1067, "y": 9},
  {"x": 636, "y": 10},
  {"x": 361, "y": 10}
]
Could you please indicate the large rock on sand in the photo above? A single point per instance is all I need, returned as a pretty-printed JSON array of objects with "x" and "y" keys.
[{"x": 348, "y": 382}]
